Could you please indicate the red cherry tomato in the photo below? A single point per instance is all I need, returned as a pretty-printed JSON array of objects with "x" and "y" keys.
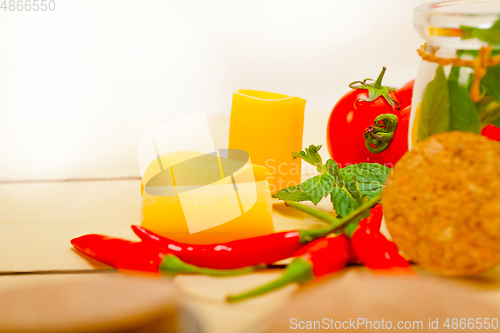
[
  {"x": 352, "y": 116},
  {"x": 346, "y": 126},
  {"x": 405, "y": 93}
]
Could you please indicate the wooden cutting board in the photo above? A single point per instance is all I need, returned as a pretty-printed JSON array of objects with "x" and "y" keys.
[
  {"x": 92, "y": 303},
  {"x": 412, "y": 296}
]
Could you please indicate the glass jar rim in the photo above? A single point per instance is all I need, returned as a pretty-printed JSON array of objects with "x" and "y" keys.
[
  {"x": 439, "y": 23},
  {"x": 460, "y": 8}
]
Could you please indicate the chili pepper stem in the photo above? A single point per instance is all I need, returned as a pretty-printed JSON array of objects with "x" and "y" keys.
[
  {"x": 299, "y": 271},
  {"x": 334, "y": 223},
  {"x": 312, "y": 211},
  {"x": 172, "y": 265}
]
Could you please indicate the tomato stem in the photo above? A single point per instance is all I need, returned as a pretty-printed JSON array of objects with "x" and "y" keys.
[
  {"x": 376, "y": 90},
  {"x": 378, "y": 83},
  {"x": 379, "y": 136}
]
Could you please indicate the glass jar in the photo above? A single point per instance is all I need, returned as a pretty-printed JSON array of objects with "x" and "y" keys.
[{"x": 458, "y": 82}]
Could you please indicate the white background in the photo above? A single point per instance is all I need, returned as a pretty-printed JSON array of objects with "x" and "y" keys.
[{"x": 81, "y": 84}]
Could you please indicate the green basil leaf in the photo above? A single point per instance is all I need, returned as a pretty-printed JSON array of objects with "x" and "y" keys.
[
  {"x": 490, "y": 35},
  {"x": 293, "y": 193},
  {"x": 370, "y": 177},
  {"x": 492, "y": 114},
  {"x": 435, "y": 108},
  {"x": 491, "y": 82},
  {"x": 475, "y": 53},
  {"x": 489, "y": 111},
  {"x": 496, "y": 122},
  {"x": 311, "y": 156},
  {"x": 464, "y": 115},
  {"x": 319, "y": 186},
  {"x": 342, "y": 201}
]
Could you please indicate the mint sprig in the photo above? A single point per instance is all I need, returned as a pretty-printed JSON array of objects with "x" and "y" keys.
[
  {"x": 348, "y": 187},
  {"x": 311, "y": 156},
  {"x": 319, "y": 186}
]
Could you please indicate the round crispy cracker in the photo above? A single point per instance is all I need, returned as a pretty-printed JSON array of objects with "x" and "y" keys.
[{"x": 442, "y": 204}]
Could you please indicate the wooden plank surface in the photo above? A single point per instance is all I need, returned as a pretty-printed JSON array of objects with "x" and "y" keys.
[{"x": 37, "y": 221}]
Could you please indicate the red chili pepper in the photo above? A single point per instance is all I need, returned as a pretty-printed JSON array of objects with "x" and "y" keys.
[
  {"x": 120, "y": 253},
  {"x": 374, "y": 221},
  {"x": 323, "y": 256},
  {"x": 371, "y": 247},
  {"x": 142, "y": 256},
  {"x": 240, "y": 253},
  {"x": 252, "y": 251}
]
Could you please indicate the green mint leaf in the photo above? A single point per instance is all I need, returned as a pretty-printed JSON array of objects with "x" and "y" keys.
[
  {"x": 354, "y": 191},
  {"x": 319, "y": 186},
  {"x": 490, "y": 35},
  {"x": 294, "y": 193},
  {"x": 369, "y": 177},
  {"x": 333, "y": 169},
  {"x": 434, "y": 112},
  {"x": 342, "y": 201},
  {"x": 311, "y": 156},
  {"x": 463, "y": 112}
]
